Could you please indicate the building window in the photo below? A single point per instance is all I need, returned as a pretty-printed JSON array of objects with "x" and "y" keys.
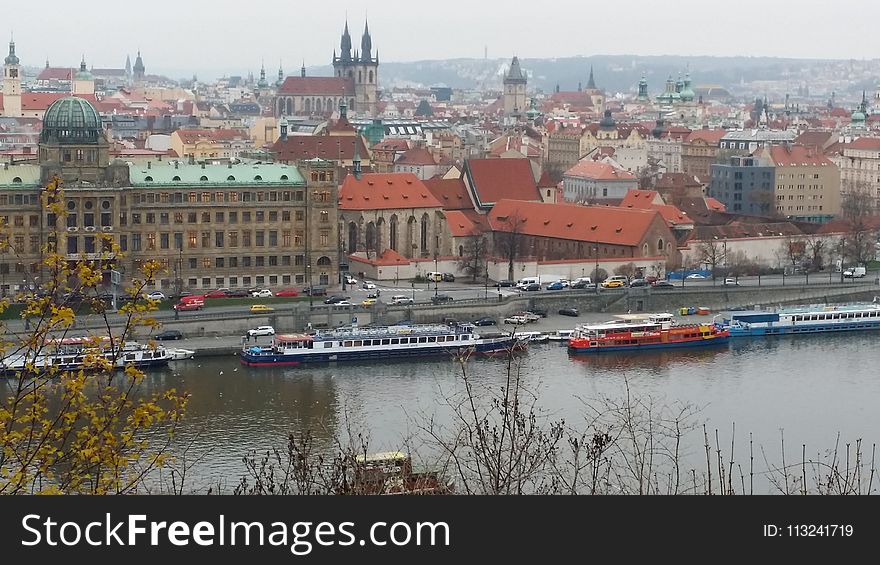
[
  {"x": 219, "y": 262},
  {"x": 164, "y": 241},
  {"x": 300, "y": 216},
  {"x": 206, "y": 262},
  {"x": 193, "y": 239},
  {"x": 178, "y": 240},
  {"x": 191, "y": 218},
  {"x": 245, "y": 217},
  {"x": 206, "y": 239},
  {"x": 285, "y": 238},
  {"x": 260, "y": 238},
  {"x": 206, "y": 217},
  {"x": 218, "y": 239},
  {"x": 273, "y": 238},
  {"x": 260, "y": 261},
  {"x": 219, "y": 217},
  {"x": 246, "y": 239},
  {"x": 135, "y": 242},
  {"x": 233, "y": 217}
]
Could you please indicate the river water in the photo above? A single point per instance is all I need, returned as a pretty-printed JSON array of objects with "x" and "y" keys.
[{"x": 812, "y": 387}]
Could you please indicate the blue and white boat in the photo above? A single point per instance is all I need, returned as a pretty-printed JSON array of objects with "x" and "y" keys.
[
  {"x": 76, "y": 353},
  {"x": 805, "y": 319},
  {"x": 378, "y": 343}
]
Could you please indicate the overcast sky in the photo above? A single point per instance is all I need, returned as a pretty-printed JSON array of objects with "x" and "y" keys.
[{"x": 216, "y": 37}]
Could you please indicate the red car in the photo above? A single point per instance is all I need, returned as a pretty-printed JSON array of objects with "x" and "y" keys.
[
  {"x": 219, "y": 293},
  {"x": 287, "y": 292}
]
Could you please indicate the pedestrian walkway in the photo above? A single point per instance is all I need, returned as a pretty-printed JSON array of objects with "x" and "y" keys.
[{"x": 383, "y": 289}]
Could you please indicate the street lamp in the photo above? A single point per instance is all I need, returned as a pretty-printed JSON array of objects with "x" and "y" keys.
[
  {"x": 435, "y": 272},
  {"x": 311, "y": 287},
  {"x": 596, "y": 273}
]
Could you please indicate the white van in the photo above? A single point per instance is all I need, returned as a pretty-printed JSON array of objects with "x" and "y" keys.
[
  {"x": 401, "y": 299},
  {"x": 524, "y": 282},
  {"x": 434, "y": 277},
  {"x": 855, "y": 272}
]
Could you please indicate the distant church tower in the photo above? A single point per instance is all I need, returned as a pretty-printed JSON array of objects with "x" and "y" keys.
[
  {"x": 11, "y": 84},
  {"x": 362, "y": 68},
  {"x": 643, "y": 89},
  {"x": 514, "y": 90},
  {"x": 127, "y": 69},
  {"x": 139, "y": 68},
  {"x": 83, "y": 81}
]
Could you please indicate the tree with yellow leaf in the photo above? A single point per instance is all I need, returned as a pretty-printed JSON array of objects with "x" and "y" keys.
[{"x": 91, "y": 430}]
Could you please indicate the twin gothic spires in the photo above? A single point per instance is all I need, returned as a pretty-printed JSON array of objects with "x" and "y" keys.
[{"x": 366, "y": 45}]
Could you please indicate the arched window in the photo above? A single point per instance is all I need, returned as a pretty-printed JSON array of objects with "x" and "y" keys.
[
  {"x": 351, "y": 104},
  {"x": 392, "y": 233},
  {"x": 308, "y": 107},
  {"x": 360, "y": 76},
  {"x": 423, "y": 239},
  {"x": 645, "y": 250},
  {"x": 230, "y": 178},
  {"x": 370, "y": 237},
  {"x": 283, "y": 177},
  {"x": 175, "y": 178},
  {"x": 371, "y": 77},
  {"x": 660, "y": 246},
  {"x": 461, "y": 250},
  {"x": 324, "y": 262},
  {"x": 203, "y": 178},
  {"x": 289, "y": 106},
  {"x": 16, "y": 180},
  {"x": 350, "y": 73},
  {"x": 352, "y": 237},
  {"x": 148, "y": 179},
  {"x": 258, "y": 178}
]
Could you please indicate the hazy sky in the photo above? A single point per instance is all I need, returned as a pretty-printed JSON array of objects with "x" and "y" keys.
[{"x": 213, "y": 37}]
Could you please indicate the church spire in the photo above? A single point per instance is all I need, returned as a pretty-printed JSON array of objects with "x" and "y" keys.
[
  {"x": 591, "y": 82},
  {"x": 12, "y": 58},
  {"x": 302, "y": 71},
  {"x": 366, "y": 43},
  {"x": 280, "y": 80},
  {"x": 345, "y": 44}
]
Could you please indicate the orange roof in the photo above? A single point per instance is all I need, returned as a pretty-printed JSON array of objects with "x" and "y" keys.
[
  {"x": 382, "y": 191},
  {"x": 716, "y": 205},
  {"x": 56, "y": 73},
  {"x": 462, "y": 224},
  {"x": 710, "y": 136},
  {"x": 496, "y": 179},
  {"x": 651, "y": 200},
  {"x": 602, "y": 224},
  {"x": 331, "y": 148},
  {"x": 599, "y": 171},
  {"x": 195, "y": 135},
  {"x": 796, "y": 156},
  {"x": 452, "y": 193},
  {"x": 42, "y": 100},
  {"x": 391, "y": 145}
]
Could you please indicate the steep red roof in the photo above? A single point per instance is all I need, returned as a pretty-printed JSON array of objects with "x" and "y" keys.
[
  {"x": 796, "y": 156},
  {"x": 56, "y": 73},
  {"x": 651, "y": 200},
  {"x": 462, "y": 224},
  {"x": 392, "y": 144},
  {"x": 599, "y": 171},
  {"x": 710, "y": 136},
  {"x": 602, "y": 224},
  {"x": 418, "y": 156},
  {"x": 452, "y": 193},
  {"x": 331, "y": 148},
  {"x": 714, "y": 204},
  {"x": 42, "y": 100},
  {"x": 325, "y": 86},
  {"x": 814, "y": 138},
  {"x": 496, "y": 179},
  {"x": 382, "y": 191}
]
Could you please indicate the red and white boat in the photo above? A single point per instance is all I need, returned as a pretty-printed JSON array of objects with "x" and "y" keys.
[{"x": 635, "y": 333}]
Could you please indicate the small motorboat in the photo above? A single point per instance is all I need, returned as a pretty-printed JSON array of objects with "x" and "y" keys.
[
  {"x": 179, "y": 354},
  {"x": 560, "y": 335},
  {"x": 533, "y": 337}
]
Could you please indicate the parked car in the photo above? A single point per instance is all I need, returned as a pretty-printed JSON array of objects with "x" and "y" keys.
[
  {"x": 651, "y": 279},
  {"x": 448, "y": 277},
  {"x": 345, "y": 302},
  {"x": 695, "y": 277},
  {"x": 529, "y": 316},
  {"x": 573, "y": 312},
  {"x": 730, "y": 282},
  {"x": 315, "y": 291},
  {"x": 539, "y": 312},
  {"x": 155, "y": 295},
  {"x": 558, "y": 285},
  {"x": 441, "y": 299},
  {"x": 663, "y": 285},
  {"x": 238, "y": 293},
  {"x": 261, "y": 309},
  {"x": 581, "y": 284},
  {"x": 637, "y": 283},
  {"x": 855, "y": 272},
  {"x": 219, "y": 293},
  {"x": 515, "y": 320},
  {"x": 401, "y": 299},
  {"x": 369, "y": 302},
  {"x": 261, "y": 330},
  {"x": 287, "y": 292},
  {"x": 486, "y": 321},
  {"x": 350, "y": 279},
  {"x": 505, "y": 283},
  {"x": 375, "y": 294},
  {"x": 532, "y": 287},
  {"x": 368, "y": 285},
  {"x": 613, "y": 284},
  {"x": 336, "y": 299},
  {"x": 168, "y": 334},
  {"x": 262, "y": 293}
]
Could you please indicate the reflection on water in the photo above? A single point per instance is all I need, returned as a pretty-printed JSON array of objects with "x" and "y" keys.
[{"x": 812, "y": 386}]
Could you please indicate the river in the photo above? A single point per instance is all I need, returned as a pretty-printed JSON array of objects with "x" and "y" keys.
[{"x": 812, "y": 387}]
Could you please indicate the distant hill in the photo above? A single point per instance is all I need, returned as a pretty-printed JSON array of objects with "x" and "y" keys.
[{"x": 621, "y": 73}]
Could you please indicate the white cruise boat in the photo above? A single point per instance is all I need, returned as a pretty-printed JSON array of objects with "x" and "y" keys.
[{"x": 70, "y": 354}]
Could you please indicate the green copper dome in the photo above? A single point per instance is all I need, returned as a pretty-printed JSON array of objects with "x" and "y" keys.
[{"x": 71, "y": 120}]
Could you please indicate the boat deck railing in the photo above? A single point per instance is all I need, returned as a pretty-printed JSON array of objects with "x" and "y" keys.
[{"x": 389, "y": 331}]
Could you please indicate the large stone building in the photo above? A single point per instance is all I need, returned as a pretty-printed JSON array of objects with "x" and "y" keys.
[
  {"x": 591, "y": 181},
  {"x": 859, "y": 163},
  {"x": 355, "y": 81},
  {"x": 209, "y": 225},
  {"x": 807, "y": 183},
  {"x": 700, "y": 150}
]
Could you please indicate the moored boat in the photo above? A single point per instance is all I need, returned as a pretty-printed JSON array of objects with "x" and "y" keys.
[
  {"x": 180, "y": 354},
  {"x": 805, "y": 319},
  {"x": 533, "y": 337},
  {"x": 75, "y": 353},
  {"x": 656, "y": 331},
  {"x": 378, "y": 343},
  {"x": 560, "y": 335}
]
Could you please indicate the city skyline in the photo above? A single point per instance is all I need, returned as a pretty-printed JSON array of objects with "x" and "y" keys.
[{"x": 176, "y": 44}]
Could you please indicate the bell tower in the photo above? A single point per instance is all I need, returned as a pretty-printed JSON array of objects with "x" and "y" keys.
[{"x": 11, "y": 84}]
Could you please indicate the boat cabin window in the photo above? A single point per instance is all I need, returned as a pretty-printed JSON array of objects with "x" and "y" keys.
[
  {"x": 423, "y": 340},
  {"x": 466, "y": 336},
  {"x": 358, "y": 343},
  {"x": 395, "y": 341},
  {"x": 386, "y": 341},
  {"x": 432, "y": 339},
  {"x": 347, "y": 344},
  {"x": 328, "y": 344}
]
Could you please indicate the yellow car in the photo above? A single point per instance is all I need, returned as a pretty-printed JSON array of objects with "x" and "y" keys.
[
  {"x": 261, "y": 308},
  {"x": 612, "y": 284},
  {"x": 368, "y": 302}
]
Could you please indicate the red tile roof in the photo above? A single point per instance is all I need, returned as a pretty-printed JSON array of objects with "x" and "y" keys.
[
  {"x": 383, "y": 191},
  {"x": 195, "y": 135},
  {"x": 56, "y": 73},
  {"x": 602, "y": 224},
  {"x": 35, "y": 101},
  {"x": 331, "y": 148},
  {"x": 710, "y": 136},
  {"x": 462, "y": 224},
  {"x": 796, "y": 156},
  {"x": 651, "y": 200},
  {"x": 418, "y": 156},
  {"x": 714, "y": 204},
  {"x": 325, "y": 86},
  {"x": 864, "y": 143},
  {"x": 452, "y": 193},
  {"x": 599, "y": 171},
  {"x": 497, "y": 179},
  {"x": 814, "y": 138},
  {"x": 392, "y": 145}
]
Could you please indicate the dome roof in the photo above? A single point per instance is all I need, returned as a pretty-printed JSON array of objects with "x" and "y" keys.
[{"x": 71, "y": 120}]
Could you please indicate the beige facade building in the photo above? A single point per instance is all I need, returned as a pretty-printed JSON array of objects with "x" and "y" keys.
[
  {"x": 859, "y": 164},
  {"x": 807, "y": 182}
]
